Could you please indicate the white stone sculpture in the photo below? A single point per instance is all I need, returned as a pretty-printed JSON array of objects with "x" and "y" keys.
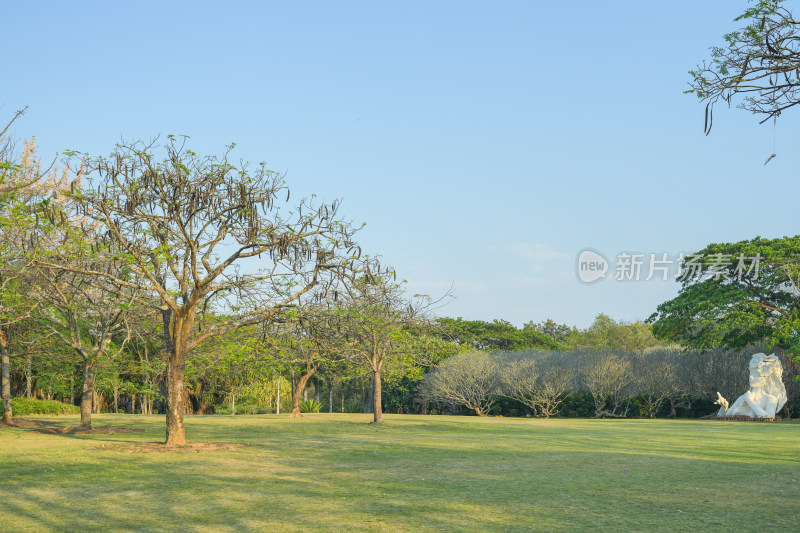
[{"x": 766, "y": 396}]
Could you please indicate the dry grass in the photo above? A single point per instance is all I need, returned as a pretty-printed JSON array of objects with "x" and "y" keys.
[{"x": 414, "y": 473}]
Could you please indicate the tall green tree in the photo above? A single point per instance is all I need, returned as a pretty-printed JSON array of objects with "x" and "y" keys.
[{"x": 736, "y": 294}]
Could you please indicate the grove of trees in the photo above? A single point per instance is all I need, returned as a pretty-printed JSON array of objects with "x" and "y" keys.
[{"x": 157, "y": 280}]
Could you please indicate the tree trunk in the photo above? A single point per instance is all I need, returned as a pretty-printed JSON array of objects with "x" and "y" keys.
[
  {"x": 180, "y": 329},
  {"x": 199, "y": 394},
  {"x": 28, "y": 376},
  {"x": 377, "y": 408},
  {"x": 316, "y": 390},
  {"x": 278, "y": 399},
  {"x": 330, "y": 396},
  {"x": 87, "y": 393},
  {"x": 299, "y": 388},
  {"x": 116, "y": 400},
  {"x": 368, "y": 402},
  {"x": 97, "y": 400},
  {"x": 5, "y": 373},
  {"x": 176, "y": 368}
]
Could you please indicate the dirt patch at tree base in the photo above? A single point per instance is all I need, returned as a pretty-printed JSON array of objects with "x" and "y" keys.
[
  {"x": 160, "y": 447},
  {"x": 82, "y": 431}
]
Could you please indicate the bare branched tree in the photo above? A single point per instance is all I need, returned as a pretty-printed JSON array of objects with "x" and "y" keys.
[
  {"x": 207, "y": 238},
  {"x": 539, "y": 380},
  {"x": 380, "y": 322},
  {"x": 608, "y": 379},
  {"x": 470, "y": 379},
  {"x": 654, "y": 379},
  {"x": 90, "y": 316}
]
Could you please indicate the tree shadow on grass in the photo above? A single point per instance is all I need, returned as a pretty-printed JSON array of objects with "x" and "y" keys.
[
  {"x": 21, "y": 423},
  {"x": 82, "y": 431}
]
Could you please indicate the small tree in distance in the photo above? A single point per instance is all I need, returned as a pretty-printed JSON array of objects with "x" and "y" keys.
[
  {"x": 538, "y": 380},
  {"x": 470, "y": 379},
  {"x": 380, "y": 323}
]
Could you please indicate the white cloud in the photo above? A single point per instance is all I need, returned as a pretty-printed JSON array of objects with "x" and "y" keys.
[{"x": 536, "y": 252}]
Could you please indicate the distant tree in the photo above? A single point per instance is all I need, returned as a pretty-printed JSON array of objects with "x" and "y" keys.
[
  {"x": 498, "y": 335},
  {"x": 90, "y": 319},
  {"x": 380, "y": 323},
  {"x": 24, "y": 185},
  {"x": 605, "y": 333},
  {"x": 470, "y": 379},
  {"x": 608, "y": 378},
  {"x": 759, "y": 63},
  {"x": 655, "y": 379},
  {"x": 314, "y": 336},
  {"x": 230, "y": 367},
  {"x": 185, "y": 224},
  {"x": 18, "y": 173},
  {"x": 539, "y": 380},
  {"x": 557, "y": 332}
]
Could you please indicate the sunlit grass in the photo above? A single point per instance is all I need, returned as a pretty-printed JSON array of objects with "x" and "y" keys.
[{"x": 414, "y": 473}]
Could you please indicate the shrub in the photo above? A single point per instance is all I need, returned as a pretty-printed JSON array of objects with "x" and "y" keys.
[
  {"x": 310, "y": 406},
  {"x": 32, "y": 406}
]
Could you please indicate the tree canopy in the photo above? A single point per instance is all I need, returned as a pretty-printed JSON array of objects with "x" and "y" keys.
[
  {"x": 759, "y": 65},
  {"x": 495, "y": 335},
  {"x": 736, "y": 294}
]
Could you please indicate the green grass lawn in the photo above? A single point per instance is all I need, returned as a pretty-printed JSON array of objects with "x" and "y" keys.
[{"x": 415, "y": 473}]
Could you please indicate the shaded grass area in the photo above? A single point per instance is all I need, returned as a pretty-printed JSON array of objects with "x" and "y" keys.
[{"x": 414, "y": 473}]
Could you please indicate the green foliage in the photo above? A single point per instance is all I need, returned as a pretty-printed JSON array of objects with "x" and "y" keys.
[
  {"x": 32, "y": 406},
  {"x": 351, "y": 406},
  {"x": 734, "y": 310},
  {"x": 398, "y": 395},
  {"x": 245, "y": 408},
  {"x": 310, "y": 406},
  {"x": 606, "y": 333},
  {"x": 498, "y": 335},
  {"x": 578, "y": 404},
  {"x": 558, "y": 332}
]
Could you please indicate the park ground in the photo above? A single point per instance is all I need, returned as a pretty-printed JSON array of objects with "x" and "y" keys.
[{"x": 338, "y": 472}]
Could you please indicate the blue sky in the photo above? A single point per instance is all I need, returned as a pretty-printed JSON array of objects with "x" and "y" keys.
[{"x": 484, "y": 144}]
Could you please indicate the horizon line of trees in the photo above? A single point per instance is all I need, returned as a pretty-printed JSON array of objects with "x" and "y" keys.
[{"x": 123, "y": 286}]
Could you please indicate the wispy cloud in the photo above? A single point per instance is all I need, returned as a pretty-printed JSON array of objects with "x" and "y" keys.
[{"x": 536, "y": 252}]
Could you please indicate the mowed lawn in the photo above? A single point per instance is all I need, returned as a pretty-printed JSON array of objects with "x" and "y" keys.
[{"x": 337, "y": 472}]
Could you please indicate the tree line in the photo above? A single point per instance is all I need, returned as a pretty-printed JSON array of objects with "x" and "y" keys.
[
  {"x": 589, "y": 382},
  {"x": 124, "y": 265}
]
